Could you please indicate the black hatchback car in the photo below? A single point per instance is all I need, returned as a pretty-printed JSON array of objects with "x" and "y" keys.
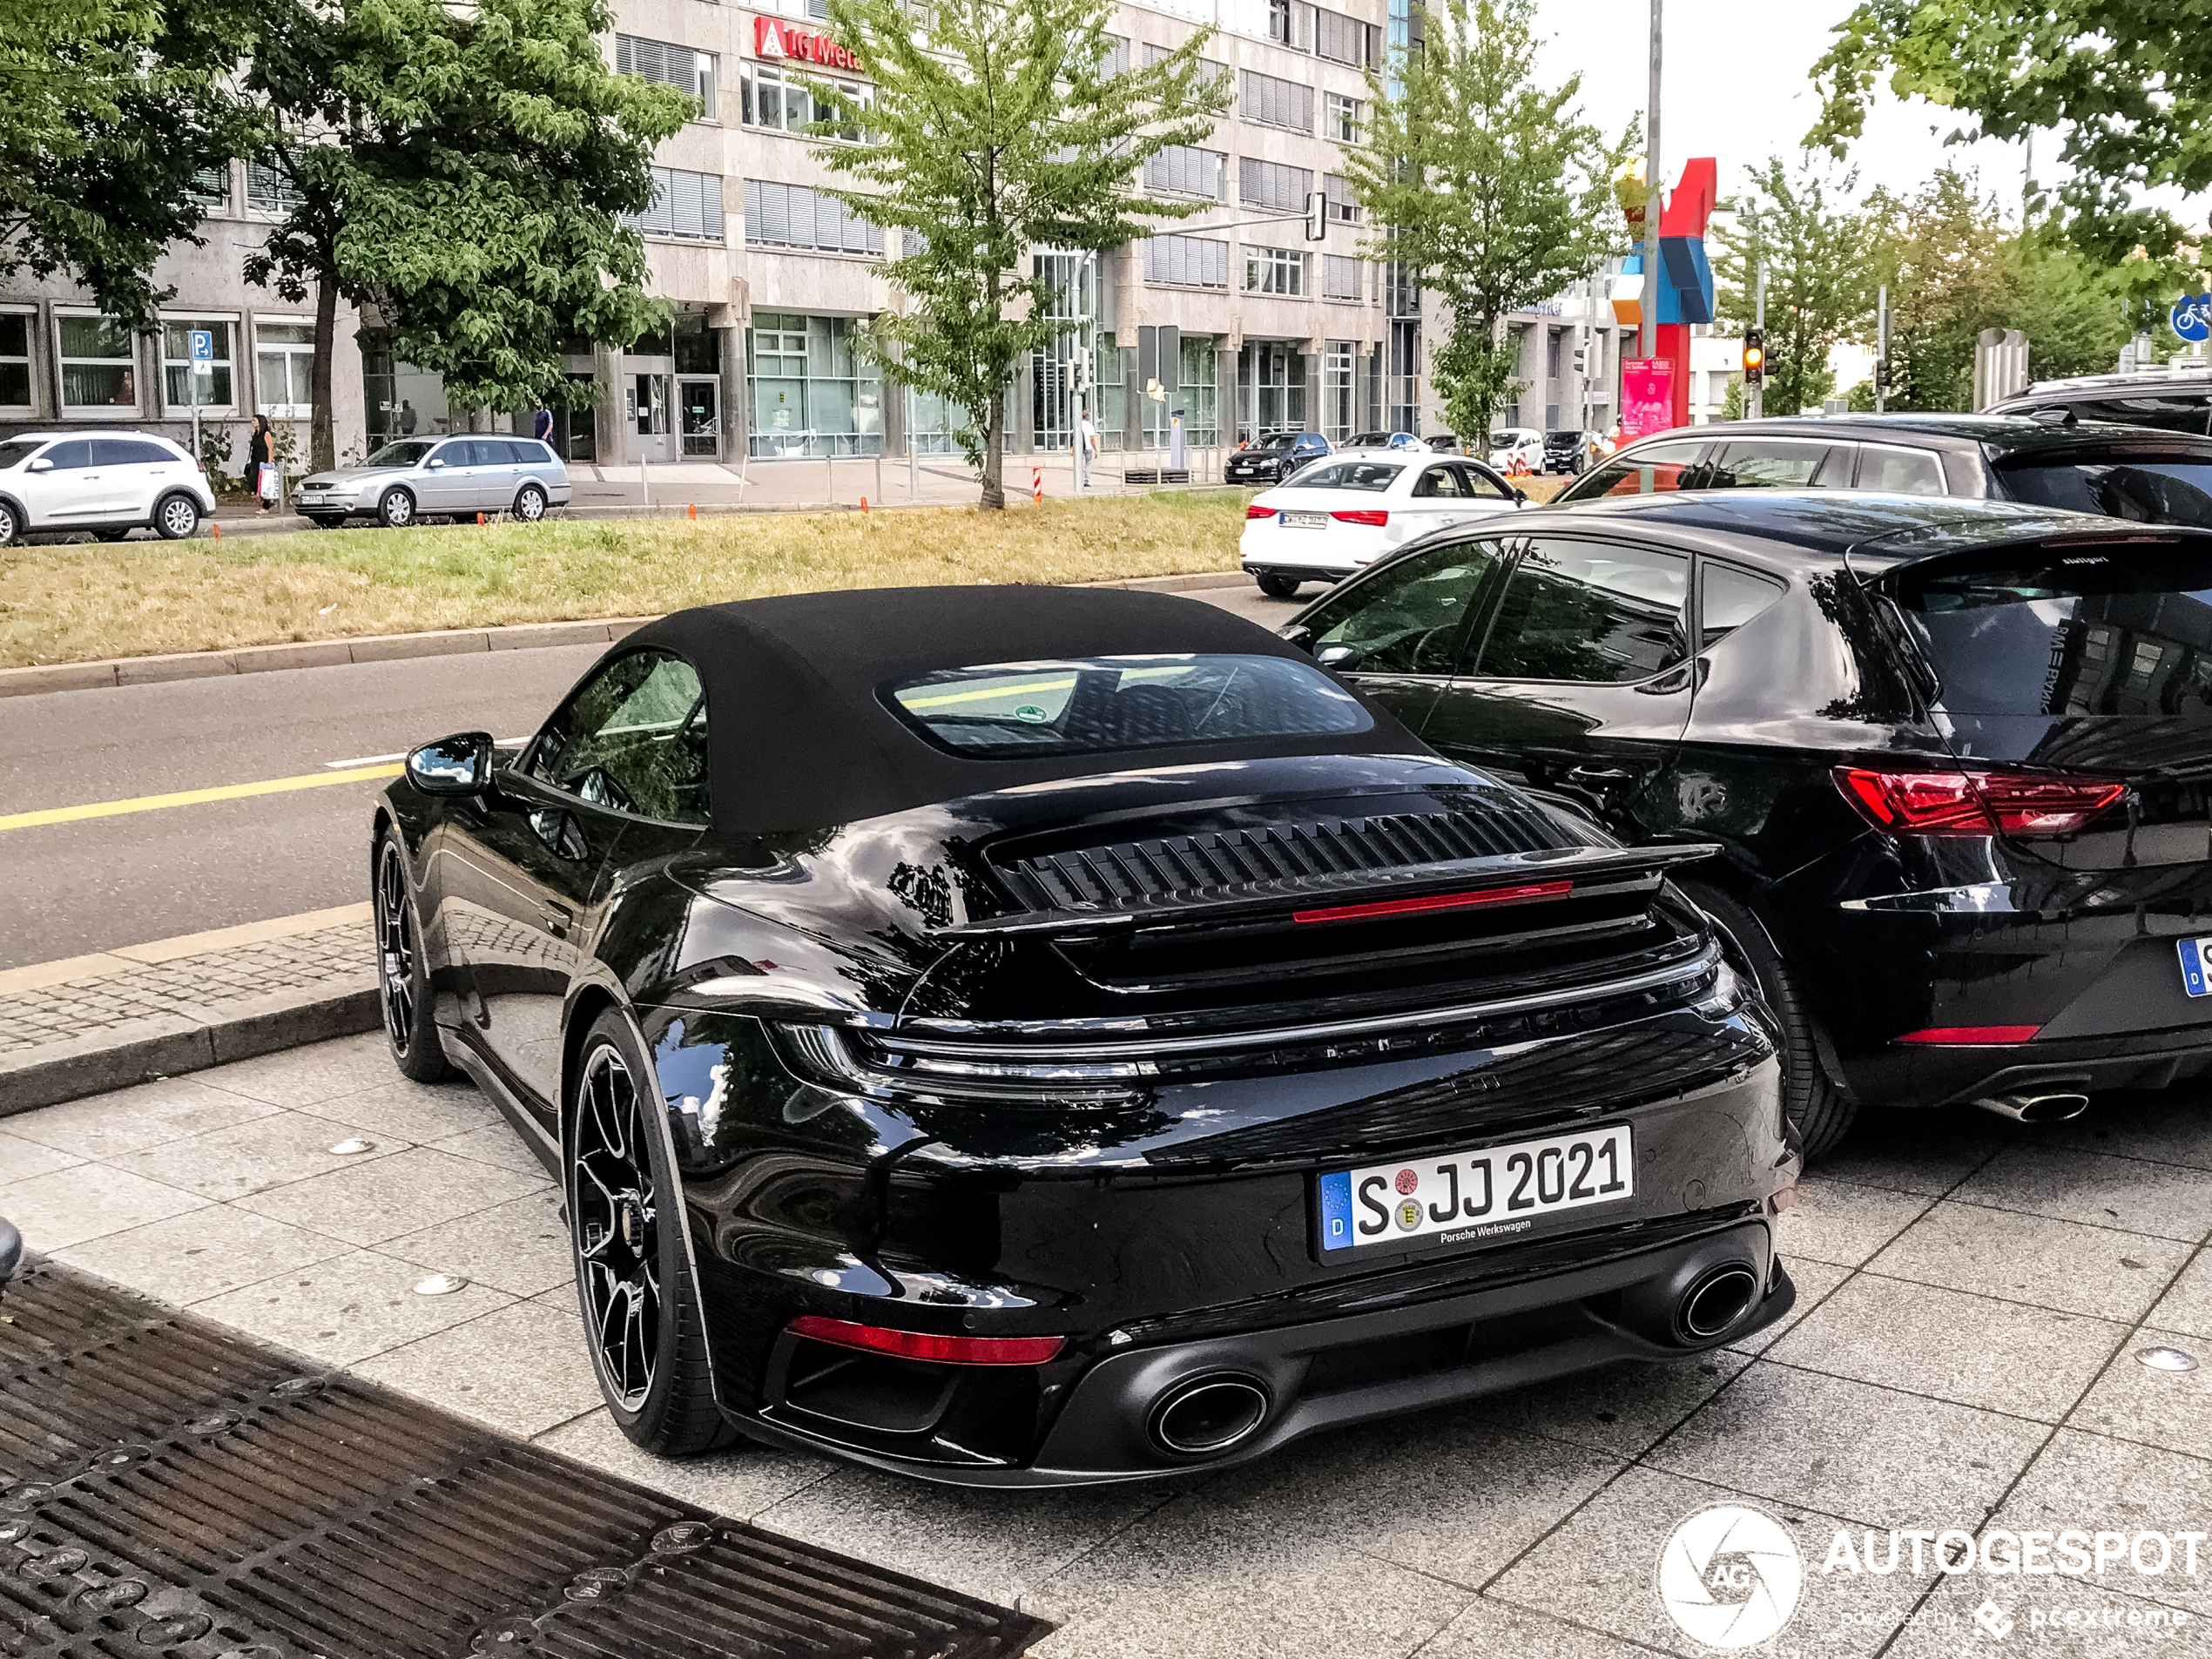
[
  {"x": 1957, "y": 757},
  {"x": 1273, "y": 458},
  {"x": 2123, "y": 472},
  {"x": 1026, "y": 1035}
]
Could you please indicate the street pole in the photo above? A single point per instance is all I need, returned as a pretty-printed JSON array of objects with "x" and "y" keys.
[
  {"x": 1648, "y": 331},
  {"x": 1755, "y": 405},
  {"x": 1881, "y": 344}
]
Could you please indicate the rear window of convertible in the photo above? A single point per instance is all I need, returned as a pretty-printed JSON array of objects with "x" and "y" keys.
[{"x": 1084, "y": 705}]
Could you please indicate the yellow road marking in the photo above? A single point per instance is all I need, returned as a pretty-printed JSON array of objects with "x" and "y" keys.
[{"x": 190, "y": 797}]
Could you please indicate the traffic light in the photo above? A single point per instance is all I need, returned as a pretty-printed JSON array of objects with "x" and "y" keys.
[
  {"x": 1581, "y": 356},
  {"x": 1754, "y": 357},
  {"x": 1316, "y": 216},
  {"x": 1881, "y": 374}
]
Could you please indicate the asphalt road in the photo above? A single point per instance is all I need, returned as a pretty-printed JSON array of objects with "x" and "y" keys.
[{"x": 102, "y": 882}]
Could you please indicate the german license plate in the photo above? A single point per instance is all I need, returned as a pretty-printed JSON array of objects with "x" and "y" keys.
[
  {"x": 2196, "y": 967},
  {"x": 1467, "y": 1197},
  {"x": 1305, "y": 521}
]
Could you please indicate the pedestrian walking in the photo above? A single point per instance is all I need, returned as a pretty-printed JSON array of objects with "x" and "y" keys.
[
  {"x": 406, "y": 419},
  {"x": 261, "y": 461},
  {"x": 541, "y": 423}
]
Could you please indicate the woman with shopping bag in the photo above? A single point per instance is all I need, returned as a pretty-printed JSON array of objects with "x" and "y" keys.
[{"x": 262, "y": 473}]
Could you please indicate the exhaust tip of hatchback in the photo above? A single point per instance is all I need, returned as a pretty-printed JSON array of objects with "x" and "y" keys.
[
  {"x": 2037, "y": 1108},
  {"x": 1716, "y": 1303},
  {"x": 1209, "y": 1415}
]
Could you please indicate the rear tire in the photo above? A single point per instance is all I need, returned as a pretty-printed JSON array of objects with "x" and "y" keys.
[
  {"x": 642, "y": 1322},
  {"x": 1819, "y": 1112},
  {"x": 177, "y": 518},
  {"x": 397, "y": 510},
  {"x": 529, "y": 503},
  {"x": 11, "y": 525},
  {"x": 1277, "y": 587}
]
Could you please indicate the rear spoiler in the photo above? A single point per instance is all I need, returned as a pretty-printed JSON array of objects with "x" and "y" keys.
[
  {"x": 1966, "y": 540},
  {"x": 1610, "y": 865}
]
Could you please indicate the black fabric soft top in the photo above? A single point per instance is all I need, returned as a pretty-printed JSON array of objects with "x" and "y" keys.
[{"x": 799, "y": 738}]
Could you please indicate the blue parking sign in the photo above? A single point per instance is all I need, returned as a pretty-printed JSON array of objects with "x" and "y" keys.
[{"x": 203, "y": 345}]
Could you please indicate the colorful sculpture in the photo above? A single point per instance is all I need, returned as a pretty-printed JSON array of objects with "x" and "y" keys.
[{"x": 1685, "y": 276}]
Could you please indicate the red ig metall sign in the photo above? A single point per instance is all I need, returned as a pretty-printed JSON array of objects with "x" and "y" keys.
[{"x": 774, "y": 38}]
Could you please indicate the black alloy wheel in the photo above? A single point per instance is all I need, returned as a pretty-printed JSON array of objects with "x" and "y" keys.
[
  {"x": 177, "y": 518},
  {"x": 402, "y": 977},
  {"x": 395, "y": 511},
  {"x": 1820, "y": 1113},
  {"x": 641, "y": 1314},
  {"x": 529, "y": 503},
  {"x": 1277, "y": 587}
]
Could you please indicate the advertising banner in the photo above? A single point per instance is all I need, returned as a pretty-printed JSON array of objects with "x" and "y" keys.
[{"x": 1647, "y": 396}]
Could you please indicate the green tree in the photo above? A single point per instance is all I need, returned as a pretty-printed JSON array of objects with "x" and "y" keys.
[
  {"x": 2127, "y": 82},
  {"x": 107, "y": 109},
  {"x": 1492, "y": 188},
  {"x": 999, "y": 127},
  {"x": 461, "y": 170},
  {"x": 1820, "y": 285}
]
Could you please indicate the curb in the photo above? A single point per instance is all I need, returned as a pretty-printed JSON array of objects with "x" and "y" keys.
[{"x": 387, "y": 648}]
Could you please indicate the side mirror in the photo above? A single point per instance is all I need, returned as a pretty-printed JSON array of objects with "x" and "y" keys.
[
  {"x": 457, "y": 765},
  {"x": 1299, "y": 635},
  {"x": 433, "y": 461},
  {"x": 1520, "y": 498},
  {"x": 40, "y": 464}
]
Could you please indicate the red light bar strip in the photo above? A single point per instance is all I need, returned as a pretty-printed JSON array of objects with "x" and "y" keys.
[
  {"x": 1435, "y": 901},
  {"x": 915, "y": 1344},
  {"x": 1969, "y": 1035}
]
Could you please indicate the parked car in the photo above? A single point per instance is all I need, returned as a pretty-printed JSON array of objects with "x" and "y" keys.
[
  {"x": 2175, "y": 400},
  {"x": 1274, "y": 457},
  {"x": 1382, "y": 441},
  {"x": 2124, "y": 472},
  {"x": 1040, "y": 1037},
  {"x": 1443, "y": 444},
  {"x": 109, "y": 482},
  {"x": 1953, "y": 754},
  {"x": 413, "y": 478},
  {"x": 1521, "y": 444},
  {"x": 1566, "y": 451},
  {"x": 1332, "y": 519}
]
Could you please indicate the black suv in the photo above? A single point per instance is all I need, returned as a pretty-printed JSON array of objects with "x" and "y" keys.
[
  {"x": 1953, "y": 753},
  {"x": 2091, "y": 467},
  {"x": 2175, "y": 401},
  {"x": 1566, "y": 451},
  {"x": 1273, "y": 457}
]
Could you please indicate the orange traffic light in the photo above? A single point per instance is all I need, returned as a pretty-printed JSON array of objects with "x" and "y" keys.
[{"x": 1754, "y": 357}]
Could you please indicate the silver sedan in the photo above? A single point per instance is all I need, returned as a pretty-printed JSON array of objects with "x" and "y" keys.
[{"x": 416, "y": 478}]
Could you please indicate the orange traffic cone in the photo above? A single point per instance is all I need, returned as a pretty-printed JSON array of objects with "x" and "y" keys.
[
  {"x": 480, "y": 518},
  {"x": 864, "y": 504},
  {"x": 215, "y": 529},
  {"x": 691, "y": 512}
]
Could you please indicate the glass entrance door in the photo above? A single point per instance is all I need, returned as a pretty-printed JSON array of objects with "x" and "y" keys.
[
  {"x": 647, "y": 398},
  {"x": 700, "y": 408}
]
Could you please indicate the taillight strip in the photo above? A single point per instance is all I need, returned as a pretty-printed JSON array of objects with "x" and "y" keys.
[
  {"x": 1973, "y": 1035},
  {"x": 1435, "y": 901},
  {"x": 917, "y": 1345}
]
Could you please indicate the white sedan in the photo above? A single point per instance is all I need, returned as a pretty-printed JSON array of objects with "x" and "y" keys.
[{"x": 1347, "y": 512}]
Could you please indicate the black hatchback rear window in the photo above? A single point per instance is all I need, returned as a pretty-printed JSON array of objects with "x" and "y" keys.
[
  {"x": 2128, "y": 632},
  {"x": 1082, "y": 704},
  {"x": 2146, "y": 490}
]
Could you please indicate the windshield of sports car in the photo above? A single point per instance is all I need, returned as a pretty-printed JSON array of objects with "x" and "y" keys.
[
  {"x": 408, "y": 452},
  {"x": 1086, "y": 704}
]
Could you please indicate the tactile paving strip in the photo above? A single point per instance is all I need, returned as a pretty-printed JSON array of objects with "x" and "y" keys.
[{"x": 169, "y": 1490}]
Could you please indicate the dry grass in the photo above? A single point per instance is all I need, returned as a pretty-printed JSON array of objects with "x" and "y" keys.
[{"x": 75, "y": 602}]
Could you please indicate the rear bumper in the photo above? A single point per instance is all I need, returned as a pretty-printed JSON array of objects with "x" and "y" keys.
[{"x": 1329, "y": 1373}]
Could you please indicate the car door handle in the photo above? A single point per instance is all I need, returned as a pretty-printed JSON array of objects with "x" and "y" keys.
[
  {"x": 557, "y": 918},
  {"x": 1599, "y": 775}
]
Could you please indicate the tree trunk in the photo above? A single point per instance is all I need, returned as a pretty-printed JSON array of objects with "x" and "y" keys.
[
  {"x": 322, "y": 441},
  {"x": 994, "y": 498}
]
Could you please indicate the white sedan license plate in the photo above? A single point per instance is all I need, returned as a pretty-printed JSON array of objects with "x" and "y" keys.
[
  {"x": 1305, "y": 521},
  {"x": 2196, "y": 967},
  {"x": 1469, "y": 1197}
]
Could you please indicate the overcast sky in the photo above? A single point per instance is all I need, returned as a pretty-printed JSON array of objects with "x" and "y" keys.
[{"x": 1738, "y": 87}]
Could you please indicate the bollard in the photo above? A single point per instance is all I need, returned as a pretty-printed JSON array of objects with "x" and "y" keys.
[
  {"x": 1037, "y": 483},
  {"x": 215, "y": 528},
  {"x": 864, "y": 504},
  {"x": 691, "y": 512},
  {"x": 480, "y": 520}
]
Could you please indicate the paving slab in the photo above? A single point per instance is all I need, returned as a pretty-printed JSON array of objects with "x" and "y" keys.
[
  {"x": 521, "y": 1368},
  {"x": 200, "y": 1254},
  {"x": 2134, "y": 1195},
  {"x": 2034, "y": 1259},
  {"x": 348, "y": 1307},
  {"x": 2133, "y": 1401},
  {"x": 2094, "y": 1483}
]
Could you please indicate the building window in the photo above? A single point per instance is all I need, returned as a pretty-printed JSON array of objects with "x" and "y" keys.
[
  {"x": 1116, "y": 61},
  {"x": 793, "y": 216},
  {"x": 686, "y": 206},
  {"x": 813, "y": 393},
  {"x": 1551, "y": 354},
  {"x": 1274, "y": 269},
  {"x": 1278, "y": 21},
  {"x": 767, "y": 98},
  {"x": 284, "y": 369},
  {"x": 1336, "y": 391},
  {"x": 1339, "y": 38},
  {"x": 1344, "y": 206},
  {"x": 1271, "y": 102},
  {"x": 1210, "y": 69},
  {"x": 1182, "y": 170},
  {"x": 1198, "y": 392},
  {"x": 1340, "y": 277},
  {"x": 1187, "y": 261},
  {"x": 1342, "y": 118},
  {"x": 211, "y": 188},
  {"x": 98, "y": 360},
  {"x": 402, "y": 401},
  {"x": 268, "y": 190},
  {"x": 213, "y": 391},
  {"x": 692, "y": 73},
  {"x": 1273, "y": 187},
  {"x": 15, "y": 362}
]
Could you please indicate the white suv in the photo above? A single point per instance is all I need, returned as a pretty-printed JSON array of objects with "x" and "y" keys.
[{"x": 107, "y": 482}]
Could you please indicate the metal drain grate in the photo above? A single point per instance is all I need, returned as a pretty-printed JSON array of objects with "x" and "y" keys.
[{"x": 168, "y": 1489}]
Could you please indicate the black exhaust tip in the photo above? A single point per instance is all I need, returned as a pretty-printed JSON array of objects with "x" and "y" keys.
[
  {"x": 1209, "y": 1415},
  {"x": 1716, "y": 1303}
]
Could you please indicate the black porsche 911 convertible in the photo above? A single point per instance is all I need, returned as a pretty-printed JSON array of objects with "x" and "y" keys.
[{"x": 1038, "y": 1036}]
